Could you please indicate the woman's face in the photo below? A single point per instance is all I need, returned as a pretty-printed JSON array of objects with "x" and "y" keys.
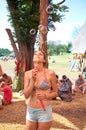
[{"x": 38, "y": 58}]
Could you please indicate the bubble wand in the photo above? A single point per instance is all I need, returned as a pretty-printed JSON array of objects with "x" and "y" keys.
[{"x": 41, "y": 101}]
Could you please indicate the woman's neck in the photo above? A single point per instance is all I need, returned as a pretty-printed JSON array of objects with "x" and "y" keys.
[{"x": 41, "y": 69}]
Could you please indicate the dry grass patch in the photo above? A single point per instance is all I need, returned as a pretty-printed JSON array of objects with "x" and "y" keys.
[{"x": 67, "y": 115}]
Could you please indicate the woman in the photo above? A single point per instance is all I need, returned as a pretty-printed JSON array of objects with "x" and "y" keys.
[{"x": 37, "y": 89}]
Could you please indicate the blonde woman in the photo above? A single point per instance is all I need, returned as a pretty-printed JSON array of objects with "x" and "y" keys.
[{"x": 37, "y": 88}]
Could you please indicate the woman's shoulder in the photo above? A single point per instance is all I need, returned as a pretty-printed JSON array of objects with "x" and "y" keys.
[
  {"x": 50, "y": 71},
  {"x": 28, "y": 72}
]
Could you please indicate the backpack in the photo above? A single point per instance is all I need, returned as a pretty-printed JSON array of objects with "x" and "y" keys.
[{"x": 65, "y": 91}]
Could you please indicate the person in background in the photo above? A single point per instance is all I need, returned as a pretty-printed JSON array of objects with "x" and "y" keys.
[
  {"x": 80, "y": 85},
  {"x": 37, "y": 88},
  {"x": 7, "y": 79},
  {"x": 7, "y": 93},
  {"x": 65, "y": 90}
]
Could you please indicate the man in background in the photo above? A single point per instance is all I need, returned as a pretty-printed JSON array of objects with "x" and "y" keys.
[{"x": 80, "y": 85}]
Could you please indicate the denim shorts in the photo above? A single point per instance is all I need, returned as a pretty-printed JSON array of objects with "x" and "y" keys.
[{"x": 39, "y": 115}]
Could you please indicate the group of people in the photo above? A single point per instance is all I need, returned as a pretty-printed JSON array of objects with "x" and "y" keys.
[
  {"x": 5, "y": 89},
  {"x": 67, "y": 88}
]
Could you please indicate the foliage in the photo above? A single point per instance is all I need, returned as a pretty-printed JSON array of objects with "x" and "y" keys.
[
  {"x": 25, "y": 15},
  {"x": 54, "y": 49},
  {"x": 59, "y": 12},
  {"x": 4, "y": 52},
  {"x": 17, "y": 83},
  {"x": 70, "y": 46}
]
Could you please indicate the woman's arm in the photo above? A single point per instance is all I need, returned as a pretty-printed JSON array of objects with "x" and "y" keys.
[
  {"x": 28, "y": 84},
  {"x": 54, "y": 85},
  {"x": 84, "y": 84}
]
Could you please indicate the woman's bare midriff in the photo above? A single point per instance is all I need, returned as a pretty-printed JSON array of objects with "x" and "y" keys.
[{"x": 35, "y": 103}]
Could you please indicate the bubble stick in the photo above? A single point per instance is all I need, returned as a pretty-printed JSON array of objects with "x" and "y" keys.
[
  {"x": 41, "y": 102},
  {"x": 37, "y": 91}
]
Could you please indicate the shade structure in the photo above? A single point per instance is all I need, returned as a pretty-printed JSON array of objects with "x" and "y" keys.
[{"x": 79, "y": 43}]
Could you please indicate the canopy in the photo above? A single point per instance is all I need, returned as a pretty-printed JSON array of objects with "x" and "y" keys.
[{"x": 79, "y": 43}]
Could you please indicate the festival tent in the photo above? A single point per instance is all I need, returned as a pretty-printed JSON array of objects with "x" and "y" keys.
[
  {"x": 79, "y": 43},
  {"x": 79, "y": 50}
]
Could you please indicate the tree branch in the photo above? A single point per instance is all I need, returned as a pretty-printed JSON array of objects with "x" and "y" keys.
[
  {"x": 61, "y": 2},
  {"x": 13, "y": 43}
]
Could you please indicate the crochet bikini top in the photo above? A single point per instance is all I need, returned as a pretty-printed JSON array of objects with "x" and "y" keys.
[{"x": 45, "y": 84}]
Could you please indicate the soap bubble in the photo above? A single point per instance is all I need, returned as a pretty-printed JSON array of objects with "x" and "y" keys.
[
  {"x": 52, "y": 26},
  {"x": 32, "y": 31},
  {"x": 50, "y": 9},
  {"x": 40, "y": 26}
]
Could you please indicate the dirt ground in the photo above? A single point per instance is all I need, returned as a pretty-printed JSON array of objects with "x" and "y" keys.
[{"x": 67, "y": 115}]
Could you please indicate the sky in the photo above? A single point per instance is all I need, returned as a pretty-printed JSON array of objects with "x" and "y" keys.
[{"x": 74, "y": 18}]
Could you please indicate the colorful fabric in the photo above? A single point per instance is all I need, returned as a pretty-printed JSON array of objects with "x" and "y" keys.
[{"x": 7, "y": 94}]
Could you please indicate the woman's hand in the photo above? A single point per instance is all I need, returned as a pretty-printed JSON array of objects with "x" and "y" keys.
[
  {"x": 34, "y": 73},
  {"x": 40, "y": 96}
]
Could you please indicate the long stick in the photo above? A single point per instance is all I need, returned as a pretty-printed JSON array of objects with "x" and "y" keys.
[{"x": 41, "y": 101}]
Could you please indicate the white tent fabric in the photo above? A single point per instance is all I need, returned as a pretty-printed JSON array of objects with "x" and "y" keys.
[{"x": 79, "y": 43}]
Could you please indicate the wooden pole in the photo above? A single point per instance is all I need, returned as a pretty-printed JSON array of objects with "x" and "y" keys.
[
  {"x": 44, "y": 26},
  {"x": 13, "y": 43}
]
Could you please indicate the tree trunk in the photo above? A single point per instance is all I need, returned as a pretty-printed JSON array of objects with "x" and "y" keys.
[
  {"x": 26, "y": 58},
  {"x": 26, "y": 50},
  {"x": 44, "y": 23}
]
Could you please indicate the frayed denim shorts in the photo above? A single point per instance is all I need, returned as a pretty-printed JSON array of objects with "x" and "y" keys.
[{"x": 39, "y": 115}]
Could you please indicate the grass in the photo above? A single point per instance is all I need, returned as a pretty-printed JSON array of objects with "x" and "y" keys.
[
  {"x": 62, "y": 65},
  {"x": 67, "y": 115}
]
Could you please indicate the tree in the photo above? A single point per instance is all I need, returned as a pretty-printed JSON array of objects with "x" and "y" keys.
[
  {"x": 25, "y": 16},
  {"x": 5, "y": 52},
  {"x": 70, "y": 46},
  {"x": 54, "y": 49}
]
